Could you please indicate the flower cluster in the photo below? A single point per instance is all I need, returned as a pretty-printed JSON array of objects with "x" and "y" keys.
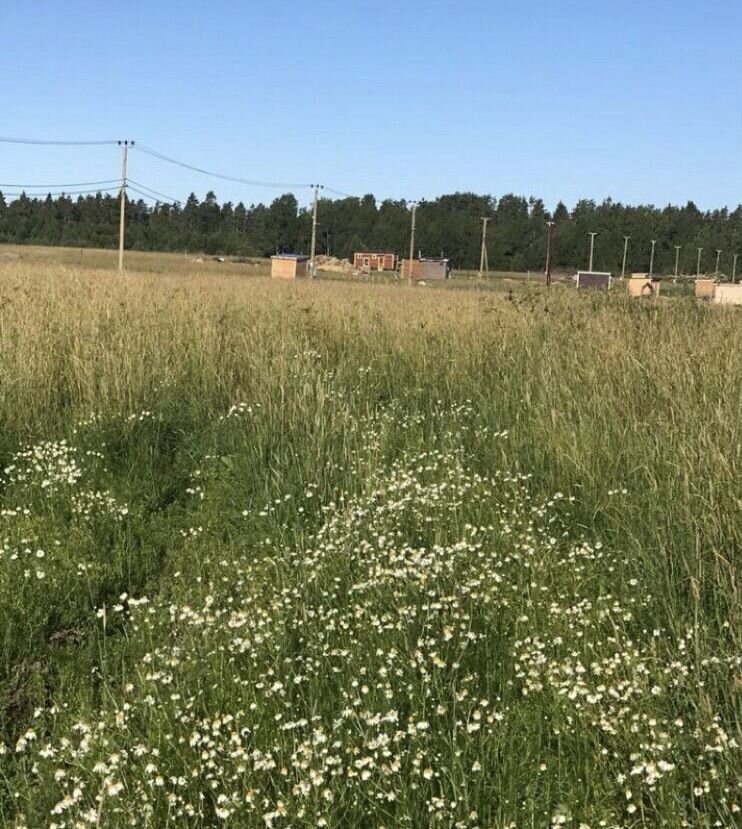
[{"x": 439, "y": 627}]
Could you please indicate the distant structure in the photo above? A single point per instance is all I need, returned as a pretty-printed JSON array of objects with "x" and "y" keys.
[
  {"x": 704, "y": 289},
  {"x": 642, "y": 285},
  {"x": 289, "y": 266},
  {"x": 426, "y": 269},
  {"x": 728, "y": 294},
  {"x": 375, "y": 261},
  {"x": 593, "y": 280}
]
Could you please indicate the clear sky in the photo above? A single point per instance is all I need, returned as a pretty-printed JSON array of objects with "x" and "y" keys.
[{"x": 640, "y": 100}]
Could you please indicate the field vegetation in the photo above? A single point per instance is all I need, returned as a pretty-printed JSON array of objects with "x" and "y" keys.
[{"x": 323, "y": 554}]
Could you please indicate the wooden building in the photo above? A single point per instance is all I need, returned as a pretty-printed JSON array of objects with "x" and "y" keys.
[
  {"x": 289, "y": 266},
  {"x": 640, "y": 285},
  {"x": 424, "y": 270},
  {"x": 375, "y": 261},
  {"x": 728, "y": 293},
  {"x": 704, "y": 289}
]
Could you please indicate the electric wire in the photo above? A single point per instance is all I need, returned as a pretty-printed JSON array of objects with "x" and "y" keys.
[
  {"x": 62, "y": 184},
  {"x": 237, "y": 179},
  {"x": 149, "y": 195},
  {"x": 40, "y": 196},
  {"x": 8, "y": 140},
  {"x": 130, "y": 182},
  {"x": 339, "y": 193},
  {"x": 162, "y": 157}
]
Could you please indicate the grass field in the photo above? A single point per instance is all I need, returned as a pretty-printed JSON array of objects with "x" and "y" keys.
[{"x": 324, "y": 554}]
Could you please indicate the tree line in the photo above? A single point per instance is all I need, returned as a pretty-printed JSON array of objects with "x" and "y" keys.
[{"x": 448, "y": 226}]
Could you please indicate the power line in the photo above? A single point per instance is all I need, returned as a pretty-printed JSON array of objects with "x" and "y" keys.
[
  {"x": 41, "y": 196},
  {"x": 162, "y": 157},
  {"x": 62, "y": 184},
  {"x": 137, "y": 184},
  {"x": 151, "y": 197},
  {"x": 339, "y": 193},
  {"x": 141, "y": 193},
  {"x": 7, "y": 140},
  {"x": 251, "y": 182}
]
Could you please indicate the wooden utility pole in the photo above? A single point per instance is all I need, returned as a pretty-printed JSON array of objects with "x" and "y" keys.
[
  {"x": 718, "y": 258},
  {"x": 625, "y": 254},
  {"x": 412, "y": 241},
  {"x": 698, "y": 263},
  {"x": 734, "y": 267},
  {"x": 677, "y": 262},
  {"x": 651, "y": 259},
  {"x": 483, "y": 260},
  {"x": 122, "y": 213},
  {"x": 314, "y": 230},
  {"x": 549, "y": 236}
]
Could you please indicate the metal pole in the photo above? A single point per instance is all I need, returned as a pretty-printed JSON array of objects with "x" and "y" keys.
[
  {"x": 549, "y": 232},
  {"x": 313, "y": 246},
  {"x": 122, "y": 211},
  {"x": 483, "y": 252},
  {"x": 651, "y": 259},
  {"x": 592, "y": 248},
  {"x": 625, "y": 253},
  {"x": 718, "y": 257},
  {"x": 412, "y": 241},
  {"x": 734, "y": 267},
  {"x": 677, "y": 262},
  {"x": 698, "y": 263}
]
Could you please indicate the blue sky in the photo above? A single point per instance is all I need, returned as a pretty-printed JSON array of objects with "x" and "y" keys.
[{"x": 640, "y": 100}]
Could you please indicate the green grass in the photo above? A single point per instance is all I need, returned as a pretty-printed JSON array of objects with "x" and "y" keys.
[{"x": 330, "y": 554}]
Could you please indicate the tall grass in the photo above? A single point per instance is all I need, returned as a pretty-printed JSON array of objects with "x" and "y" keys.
[{"x": 365, "y": 555}]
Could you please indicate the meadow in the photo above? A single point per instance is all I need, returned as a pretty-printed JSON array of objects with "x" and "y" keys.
[{"x": 325, "y": 554}]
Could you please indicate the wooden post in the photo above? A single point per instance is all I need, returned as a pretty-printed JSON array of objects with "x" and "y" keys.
[
  {"x": 122, "y": 212},
  {"x": 549, "y": 234}
]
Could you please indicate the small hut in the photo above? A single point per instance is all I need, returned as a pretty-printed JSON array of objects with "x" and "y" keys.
[
  {"x": 641, "y": 285},
  {"x": 374, "y": 261},
  {"x": 289, "y": 266},
  {"x": 704, "y": 289},
  {"x": 728, "y": 293},
  {"x": 426, "y": 269}
]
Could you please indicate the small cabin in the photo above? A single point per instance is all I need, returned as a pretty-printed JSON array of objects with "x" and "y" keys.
[
  {"x": 704, "y": 289},
  {"x": 374, "y": 261},
  {"x": 423, "y": 270},
  {"x": 288, "y": 266},
  {"x": 642, "y": 285},
  {"x": 728, "y": 293},
  {"x": 593, "y": 280}
]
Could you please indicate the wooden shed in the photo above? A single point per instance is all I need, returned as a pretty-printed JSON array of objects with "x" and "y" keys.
[
  {"x": 728, "y": 293},
  {"x": 640, "y": 285},
  {"x": 289, "y": 266},
  {"x": 423, "y": 270},
  {"x": 375, "y": 261},
  {"x": 593, "y": 280},
  {"x": 704, "y": 288}
]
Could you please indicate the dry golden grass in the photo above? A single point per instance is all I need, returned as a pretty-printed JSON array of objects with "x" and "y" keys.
[
  {"x": 593, "y": 385},
  {"x": 599, "y": 395}
]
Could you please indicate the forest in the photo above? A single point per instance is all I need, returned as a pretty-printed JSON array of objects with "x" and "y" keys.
[{"x": 446, "y": 226}]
